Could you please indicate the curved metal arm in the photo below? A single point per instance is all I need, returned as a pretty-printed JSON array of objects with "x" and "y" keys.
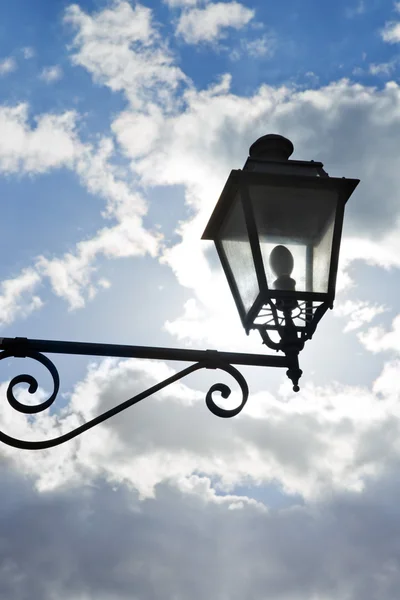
[
  {"x": 33, "y": 386},
  {"x": 203, "y": 359}
]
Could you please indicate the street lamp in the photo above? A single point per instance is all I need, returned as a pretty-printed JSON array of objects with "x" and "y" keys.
[{"x": 277, "y": 228}]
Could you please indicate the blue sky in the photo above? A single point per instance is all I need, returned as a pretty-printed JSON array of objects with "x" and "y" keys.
[{"x": 119, "y": 125}]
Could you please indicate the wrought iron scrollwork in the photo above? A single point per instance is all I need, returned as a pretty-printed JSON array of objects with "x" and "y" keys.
[
  {"x": 30, "y": 409},
  {"x": 225, "y": 392},
  {"x": 210, "y": 363}
]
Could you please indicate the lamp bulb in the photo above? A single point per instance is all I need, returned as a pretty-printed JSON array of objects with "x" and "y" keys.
[{"x": 281, "y": 261}]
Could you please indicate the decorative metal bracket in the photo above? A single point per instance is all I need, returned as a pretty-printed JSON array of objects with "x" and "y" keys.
[{"x": 202, "y": 359}]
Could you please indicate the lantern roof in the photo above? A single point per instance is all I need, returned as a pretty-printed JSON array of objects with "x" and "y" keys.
[{"x": 343, "y": 186}]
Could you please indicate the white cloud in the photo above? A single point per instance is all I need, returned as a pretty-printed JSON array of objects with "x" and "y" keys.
[
  {"x": 103, "y": 179},
  {"x": 137, "y": 132},
  {"x": 7, "y": 65},
  {"x": 285, "y": 441},
  {"x": 181, "y": 3},
  {"x": 122, "y": 50},
  {"x": 209, "y": 24},
  {"x": 71, "y": 275},
  {"x": 52, "y": 143},
  {"x": 377, "y": 339},
  {"x": 391, "y": 32},
  {"x": 51, "y": 74},
  {"x": 357, "y": 313},
  {"x": 263, "y": 46},
  {"x": 383, "y": 68},
  {"x": 17, "y": 298}
]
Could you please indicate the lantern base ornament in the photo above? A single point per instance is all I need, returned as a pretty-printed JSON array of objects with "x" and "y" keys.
[{"x": 291, "y": 337}]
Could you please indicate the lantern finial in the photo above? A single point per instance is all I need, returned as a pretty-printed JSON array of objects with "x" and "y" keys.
[{"x": 271, "y": 147}]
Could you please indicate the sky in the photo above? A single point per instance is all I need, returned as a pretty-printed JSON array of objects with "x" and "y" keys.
[{"x": 119, "y": 125}]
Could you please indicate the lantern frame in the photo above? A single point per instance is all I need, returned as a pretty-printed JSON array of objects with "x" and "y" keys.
[{"x": 237, "y": 189}]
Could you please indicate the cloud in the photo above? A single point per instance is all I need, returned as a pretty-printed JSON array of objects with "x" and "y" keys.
[
  {"x": 50, "y": 144},
  {"x": 54, "y": 142},
  {"x": 357, "y": 313},
  {"x": 51, "y": 74},
  {"x": 202, "y": 165},
  {"x": 72, "y": 275},
  {"x": 325, "y": 444},
  {"x": 28, "y": 52},
  {"x": 383, "y": 68},
  {"x": 262, "y": 46},
  {"x": 17, "y": 298},
  {"x": 122, "y": 50},
  {"x": 180, "y": 3},
  {"x": 7, "y": 65},
  {"x": 287, "y": 440},
  {"x": 98, "y": 541},
  {"x": 338, "y": 124},
  {"x": 377, "y": 339},
  {"x": 391, "y": 31},
  {"x": 209, "y": 24}
]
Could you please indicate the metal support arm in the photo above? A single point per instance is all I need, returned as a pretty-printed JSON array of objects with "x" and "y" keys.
[{"x": 203, "y": 359}]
